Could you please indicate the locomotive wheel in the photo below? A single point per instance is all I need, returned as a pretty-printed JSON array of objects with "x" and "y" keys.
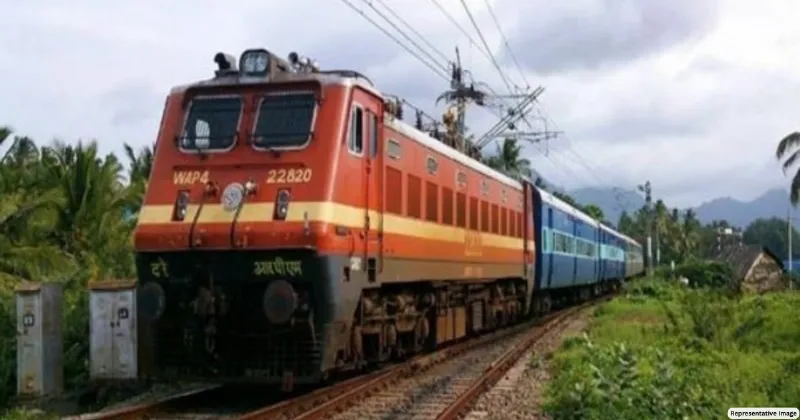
[
  {"x": 356, "y": 346},
  {"x": 421, "y": 331},
  {"x": 547, "y": 304}
]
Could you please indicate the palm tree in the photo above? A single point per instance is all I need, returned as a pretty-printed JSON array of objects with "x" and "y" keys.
[
  {"x": 138, "y": 174},
  {"x": 25, "y": 216},
  {"x": 790, "y": 145},
  {"x": 90, "y": 222},
  {"x": 595, "y": 212},
  {"x": 510, "y": 161}
]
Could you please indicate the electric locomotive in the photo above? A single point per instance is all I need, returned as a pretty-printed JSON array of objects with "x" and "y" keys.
[{"x": 294, "y": 226}]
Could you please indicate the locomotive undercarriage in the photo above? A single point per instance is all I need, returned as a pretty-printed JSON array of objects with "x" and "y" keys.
[
  {"x": 219, "y": 321},
  {"x": 399, "y": 320},
  {"x": 234, "y": 316}
]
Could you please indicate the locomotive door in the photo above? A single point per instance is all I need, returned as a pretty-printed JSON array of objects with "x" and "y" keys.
[{"x": 373, "y": 180}]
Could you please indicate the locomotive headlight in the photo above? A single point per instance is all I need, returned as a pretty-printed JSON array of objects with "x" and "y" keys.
[
  {"x": 181, "y": 206},
  {"x": 282, "y": 205},
  {"x": 151, "y": 301},
  {"x": 254, "y": 62},
  {"x": 280, "y": 301},
  {"x": 250, "y": 187}
]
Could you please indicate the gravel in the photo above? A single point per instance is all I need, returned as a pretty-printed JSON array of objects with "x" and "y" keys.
[
  {"x": 518, "y": 395},
  {"x": 425, "y": 394},
  {"x": 155, "y": 393}
]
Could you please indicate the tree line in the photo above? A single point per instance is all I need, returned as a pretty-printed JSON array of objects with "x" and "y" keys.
[{"x": 66, "y": 216}]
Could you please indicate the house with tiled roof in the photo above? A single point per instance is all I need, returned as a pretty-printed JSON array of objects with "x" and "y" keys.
[{"x": 758, "y": 268}]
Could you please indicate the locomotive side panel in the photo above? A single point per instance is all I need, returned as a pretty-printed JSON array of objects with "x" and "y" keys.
[{"x": 436, "y": 248}]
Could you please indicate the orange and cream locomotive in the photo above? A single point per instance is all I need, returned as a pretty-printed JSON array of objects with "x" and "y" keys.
[{"x": 294, "y": 226}]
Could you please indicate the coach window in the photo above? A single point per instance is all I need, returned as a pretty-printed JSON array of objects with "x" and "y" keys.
[{"x": 356, "y": 143}]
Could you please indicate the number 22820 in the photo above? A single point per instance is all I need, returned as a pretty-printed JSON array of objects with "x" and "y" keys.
[{"x": 289, "y": 176}]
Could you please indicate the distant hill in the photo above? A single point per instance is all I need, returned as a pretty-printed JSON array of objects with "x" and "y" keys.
[
  {"x": 613, "y": 201},
  {"x": 772, "y": 203}
]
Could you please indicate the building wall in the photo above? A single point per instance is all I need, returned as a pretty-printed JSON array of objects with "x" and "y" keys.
[{"x": 764, "y": 275}]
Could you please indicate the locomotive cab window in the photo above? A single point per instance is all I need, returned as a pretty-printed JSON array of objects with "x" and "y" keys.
[
  {"x": 284, "y": 120},
  {"x": 211, "y": 123},
  {"x": 356, "y": 140}
]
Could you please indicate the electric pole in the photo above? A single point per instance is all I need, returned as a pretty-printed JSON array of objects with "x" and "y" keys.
[
  {"x": 789, "y": 256},
  {"x": 458, "y": 97},
  {"x": 648, "y": 199}
]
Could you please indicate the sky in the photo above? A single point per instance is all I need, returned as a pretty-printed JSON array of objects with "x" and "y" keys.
[{"x": 692, "y": 95}]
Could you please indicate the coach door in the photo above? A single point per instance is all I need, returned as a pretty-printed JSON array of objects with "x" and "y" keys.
[{"x": 373, "y": 179}]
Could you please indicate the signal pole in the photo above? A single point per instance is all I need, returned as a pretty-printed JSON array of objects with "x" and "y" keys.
[{"x": 648, "y": 199}]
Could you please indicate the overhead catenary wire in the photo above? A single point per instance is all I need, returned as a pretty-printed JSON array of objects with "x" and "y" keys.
[
  {"x": 438, "y": 71},
  {"x": 486, "y": 46},
  {"x": 442, "y": 55},
  {"x": 436, "y": 62},
  {"x": 486, "y": 52},
  {"x": 464, "y": 32},
  {"x": 505, "y": 42},
  {"x": 435, "y": 65}
]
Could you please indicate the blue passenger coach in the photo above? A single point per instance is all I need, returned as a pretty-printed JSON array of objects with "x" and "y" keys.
[
  {"x": 573, "y": 250},
  {"x": 612, "y": 254}
]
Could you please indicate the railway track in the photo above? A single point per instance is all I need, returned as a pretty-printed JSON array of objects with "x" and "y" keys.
[
  {"x": 441, "y": 385},
  {"x": 210, "y": 402}
]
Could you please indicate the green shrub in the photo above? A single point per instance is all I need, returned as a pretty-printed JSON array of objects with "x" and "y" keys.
[
  {"x": 663, "y": 350},
  {"x": 624, "y": 382},
  {"x": 709, "y": 274}
]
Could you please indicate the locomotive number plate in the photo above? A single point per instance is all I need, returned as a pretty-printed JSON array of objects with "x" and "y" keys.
[{"x": 289, "y": 176}]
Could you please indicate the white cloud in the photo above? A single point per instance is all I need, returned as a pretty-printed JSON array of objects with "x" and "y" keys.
[{"x": 690, "y": 95}]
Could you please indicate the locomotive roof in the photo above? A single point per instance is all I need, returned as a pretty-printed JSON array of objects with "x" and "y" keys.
[
  {"x": 399, "y": 125},
  {"x": 436, "y": 145}
]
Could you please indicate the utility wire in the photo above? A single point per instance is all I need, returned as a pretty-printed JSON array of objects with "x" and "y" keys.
[
  {"x": 486, "y": 52},
  {"x": 505, "y": 41},
  {"x": 437, "y": 71},
  {"x": 442, "y": 55},
  {"x": 408, "y": 38},
  {"x": 466, "y": 33},
  {"x": 486, "y": 45}
]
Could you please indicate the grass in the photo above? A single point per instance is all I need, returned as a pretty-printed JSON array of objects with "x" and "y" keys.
[{"x": 664, "y": 351}]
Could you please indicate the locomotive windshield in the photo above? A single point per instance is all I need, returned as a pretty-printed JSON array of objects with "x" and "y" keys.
[
  {"x": 284, "y": 120},
  {"x": 211, "y": 123}
]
